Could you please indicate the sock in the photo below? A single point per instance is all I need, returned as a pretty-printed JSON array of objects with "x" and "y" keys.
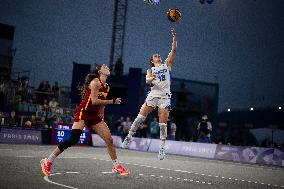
[
  {"x": 135, "y": 125},
  {"x": 130, "y": 134},
  {"x": 51, "y": 157},
  {"x": 162, "y": 144},
  {"x": 115, "y": 162}
]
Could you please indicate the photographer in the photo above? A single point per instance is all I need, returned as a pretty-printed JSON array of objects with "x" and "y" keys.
[{"x": 204, "y": 129}]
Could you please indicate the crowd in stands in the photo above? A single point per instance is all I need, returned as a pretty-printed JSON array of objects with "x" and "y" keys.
[
  {"x": 25, "y": 107},
  {"x": 149, "y": 129}
]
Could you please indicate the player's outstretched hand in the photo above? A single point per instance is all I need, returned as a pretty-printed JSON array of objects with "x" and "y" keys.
[{"x": 117, "y": 101}]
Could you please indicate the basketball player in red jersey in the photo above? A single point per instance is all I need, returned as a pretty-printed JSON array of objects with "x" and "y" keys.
[{"x": 90, "y": 113}]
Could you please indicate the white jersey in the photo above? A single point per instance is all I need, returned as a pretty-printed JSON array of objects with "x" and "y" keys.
[{"x": 162, "y": 84}]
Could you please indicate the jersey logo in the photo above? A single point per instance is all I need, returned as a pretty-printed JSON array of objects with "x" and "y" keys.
[{"x": 102, "y": 94}]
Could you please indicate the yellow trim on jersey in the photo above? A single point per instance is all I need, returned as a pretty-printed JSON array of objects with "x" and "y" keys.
[
  {"x": 88, "y": 102},
  {"x": 104, "y": 94},
  {"x": 81, "y": 111}
]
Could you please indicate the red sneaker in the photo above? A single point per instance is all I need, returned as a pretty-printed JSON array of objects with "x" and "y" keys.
[
  {"x": 45, "y": 166},
  {"x": 120, "y": 170}
]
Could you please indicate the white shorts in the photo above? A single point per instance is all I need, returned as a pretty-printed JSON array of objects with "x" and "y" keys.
[{"x": 160, "y": 102}]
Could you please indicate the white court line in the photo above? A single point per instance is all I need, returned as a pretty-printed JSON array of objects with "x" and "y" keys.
[
  {"x": 66, "y": 186},
  {"x": 69, "y": 157},
  {"x": 216, "y": 176},
  {"x": 25, "y": 156},
  {"x": 282, "y": 186},
  {"x": 238, "y": 164},
  {"x": 175, "y": 178},
  {"x": 107, "y": 172}
]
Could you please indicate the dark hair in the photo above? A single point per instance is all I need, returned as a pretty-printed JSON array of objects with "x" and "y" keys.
[
  {"x": 89, "y": 77},
  {"x": 150, "y": 64}
]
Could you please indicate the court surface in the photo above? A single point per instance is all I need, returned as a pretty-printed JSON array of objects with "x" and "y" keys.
[{"x": 90, "y": 167}]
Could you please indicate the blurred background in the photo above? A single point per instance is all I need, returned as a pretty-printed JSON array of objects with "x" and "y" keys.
[{"x": 228, "y": 65}]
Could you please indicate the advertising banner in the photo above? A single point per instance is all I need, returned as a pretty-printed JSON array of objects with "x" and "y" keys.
[
  {"x": 268, "y": 156},
  {"x": 20, "y": 136},
  {"x": 141, "y": 144},
  {"x": 98, "y": 141},
  {"x": 185, "y": 148}
]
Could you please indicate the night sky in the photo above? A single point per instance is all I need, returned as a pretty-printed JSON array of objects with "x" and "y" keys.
[{"x": 238, "y": 44}]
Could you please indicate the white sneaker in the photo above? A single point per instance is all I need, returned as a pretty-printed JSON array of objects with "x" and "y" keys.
[
  {"x": 162, "y": 154},
  {"x": 126, "y": 142}
]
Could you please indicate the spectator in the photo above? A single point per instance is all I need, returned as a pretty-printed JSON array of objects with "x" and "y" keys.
[
  {"x": 172, "y": 133},
  {"x": 40, "y": 112},
  {"x": 3, "y": 93},
  {"x": 126, "y": 126},
  {"x": 12, "y": 120},
  {"x": 45, "y": 106},
  {"x": 204, "y": 129},
  {"x": 53, "y": 103},
  {"x": 2, "y": 118},
  {"x": 33, "y": 99},
  {"x": 217, "y": 140},
  {"x": 28, "y": 123},
  {"x": 67, "y": 118},
  {"x": 143, "y": 130},
  {"x": 42, "y": 123},
  {"x": 58, "y": 111},
  {"x": 31, "y": 121},
  {"x": 44, "y": 89},
  {"x": 55, "y": 90},
  {"x": 23, "y": 89},
  {"x": 154, "y": 128},
  {"x": 118, "y": 126},
  {"x": 57, "y": 120}
]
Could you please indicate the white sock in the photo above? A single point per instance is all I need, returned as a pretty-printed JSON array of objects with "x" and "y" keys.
[
  {"x": 115, "y": 162},
  {"x": 130, "y": 134},
  {"x": 51, "y": 157},
  {"x": 135, "y": 125},
  {"x": 162, "y": 144}
]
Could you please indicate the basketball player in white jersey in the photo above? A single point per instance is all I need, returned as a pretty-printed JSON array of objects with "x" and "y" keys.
[{"x": 158, "y": 75}]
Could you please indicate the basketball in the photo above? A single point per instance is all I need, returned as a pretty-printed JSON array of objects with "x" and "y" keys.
[{"x": 174, "y": 15}]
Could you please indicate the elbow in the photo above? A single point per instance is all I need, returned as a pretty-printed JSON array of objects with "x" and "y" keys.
[
  {"x": 148, "y": 80},
  {"x": 95, "y": 102}
]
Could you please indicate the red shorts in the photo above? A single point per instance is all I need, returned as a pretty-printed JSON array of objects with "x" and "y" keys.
[{"x": 90, "y": 117}]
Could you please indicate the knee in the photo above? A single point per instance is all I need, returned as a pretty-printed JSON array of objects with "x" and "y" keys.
[{"x": 75, "y": 136}]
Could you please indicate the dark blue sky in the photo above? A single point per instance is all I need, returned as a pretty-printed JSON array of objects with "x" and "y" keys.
[{"x": 236, "y": 43}]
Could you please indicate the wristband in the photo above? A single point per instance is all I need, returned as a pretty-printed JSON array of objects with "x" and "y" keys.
[{"x": 113, "y": 101}]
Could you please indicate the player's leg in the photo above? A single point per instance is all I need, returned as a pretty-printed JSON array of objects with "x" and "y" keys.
[
  {"x": 103, "y": 131},
  {"x": 163, "y": 118},
  {"x": 46, "y": 163},
  {"x": 144, "y": 111}
]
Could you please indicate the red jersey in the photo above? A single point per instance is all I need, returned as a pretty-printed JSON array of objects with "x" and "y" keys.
[{"x": 87, "y": 111}]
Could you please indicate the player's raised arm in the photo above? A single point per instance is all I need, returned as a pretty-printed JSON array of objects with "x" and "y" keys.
[
  {"x": 95, "y": 86},
  {"x": 170, "y": 58}
]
